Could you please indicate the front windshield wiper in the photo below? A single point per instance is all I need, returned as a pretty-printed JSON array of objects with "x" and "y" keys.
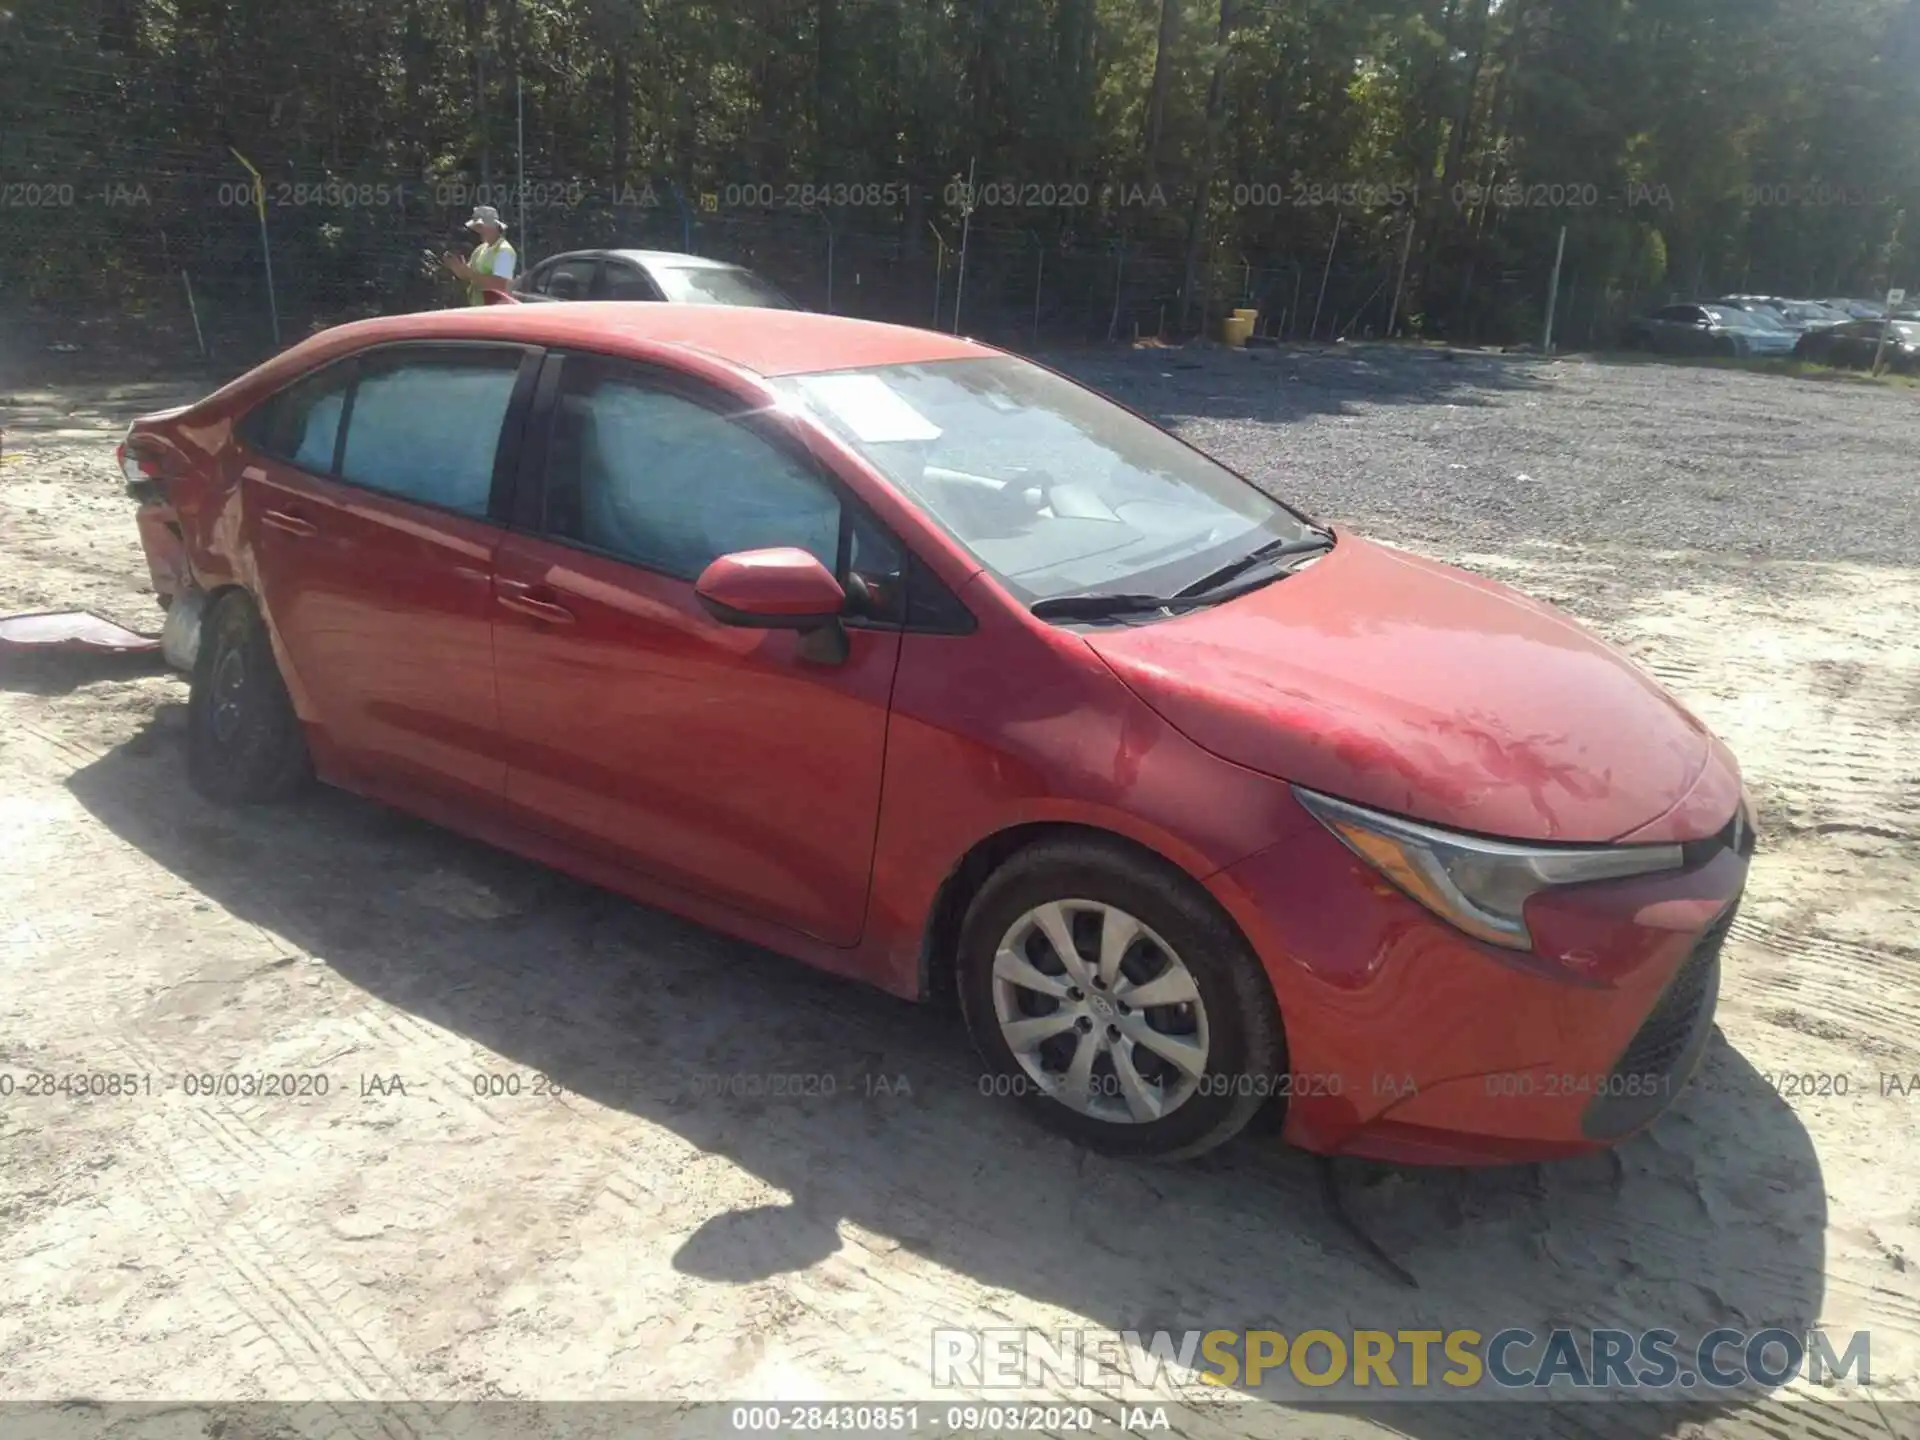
[
  {"x": 1100, "y": 607},
  {"x": 1278, "y": 550}
]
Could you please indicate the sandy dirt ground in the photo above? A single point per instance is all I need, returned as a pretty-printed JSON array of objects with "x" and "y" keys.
[{"x": 437, "y": 1226}]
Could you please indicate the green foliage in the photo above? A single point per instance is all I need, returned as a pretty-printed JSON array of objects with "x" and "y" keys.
[{"x": 1762, "y": 144}]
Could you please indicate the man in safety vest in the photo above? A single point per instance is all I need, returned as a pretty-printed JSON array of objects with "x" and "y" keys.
[{"x": 489, "y": 270}]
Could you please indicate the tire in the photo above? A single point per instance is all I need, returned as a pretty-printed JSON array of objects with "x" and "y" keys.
[
  {"x": 1726, "y": 349},
  {"x": 244, "y": 744},
  {"x": 1185, "y": 946}
]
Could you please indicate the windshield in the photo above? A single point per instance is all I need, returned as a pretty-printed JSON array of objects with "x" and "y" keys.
[
  {"x": 718, "y": 285},
  {"x": 1053, "y": 489}
]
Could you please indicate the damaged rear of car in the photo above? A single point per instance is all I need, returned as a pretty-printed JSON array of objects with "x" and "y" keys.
[
  {"x": 175, "y": 464},
  {"x": 154, "y": 467}
]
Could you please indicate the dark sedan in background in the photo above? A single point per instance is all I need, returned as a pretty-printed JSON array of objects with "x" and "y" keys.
[
  {"x": 1854, "y": 345},
  {"x": 656, "y": 275},
  {"x": 1709, "y": 330}
]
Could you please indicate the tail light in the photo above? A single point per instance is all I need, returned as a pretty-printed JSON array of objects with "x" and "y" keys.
[
  {"x": 140, "y": 465},
  {"x": 133, "y": 465}
]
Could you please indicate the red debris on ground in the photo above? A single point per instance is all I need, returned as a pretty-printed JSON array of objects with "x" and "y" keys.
[{"x": 71, "y": 630}]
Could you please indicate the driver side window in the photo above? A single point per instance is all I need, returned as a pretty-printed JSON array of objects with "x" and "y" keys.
[{"x": 652, "y": 477}]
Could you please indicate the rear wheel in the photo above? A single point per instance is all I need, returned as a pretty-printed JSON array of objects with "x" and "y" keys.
[
  {"x": 1115, "y": 1000},
  {"x": 1726, "y": 348},
  {"x": 243, "y": 739}
]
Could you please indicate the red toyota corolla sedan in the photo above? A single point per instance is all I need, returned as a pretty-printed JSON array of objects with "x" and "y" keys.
[{"x": 921, "y": 663}]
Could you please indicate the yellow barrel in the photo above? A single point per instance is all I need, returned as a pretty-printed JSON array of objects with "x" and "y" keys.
[{"x": 1235, "y": 328}]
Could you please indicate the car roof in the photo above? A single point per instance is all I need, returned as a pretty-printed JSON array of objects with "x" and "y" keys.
[
  {"x": 672, "y": 259},
  {"x": 766, "y": 342}
]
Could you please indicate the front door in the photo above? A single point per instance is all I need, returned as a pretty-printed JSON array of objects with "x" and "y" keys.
[
  {"x": 717, "y": 759},
  {"x": 367, "y": 501}
]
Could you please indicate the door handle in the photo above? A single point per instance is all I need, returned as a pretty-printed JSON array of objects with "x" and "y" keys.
[
  {"x": 515, "y": 596},
  {"x": 291, "y": 524}
]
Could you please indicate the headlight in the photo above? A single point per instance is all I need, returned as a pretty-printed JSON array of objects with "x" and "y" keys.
[{"x": 1479, "y": 885}]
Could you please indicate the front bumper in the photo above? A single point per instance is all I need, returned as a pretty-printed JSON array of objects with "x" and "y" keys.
[{"x": 1412, "y": 1043}]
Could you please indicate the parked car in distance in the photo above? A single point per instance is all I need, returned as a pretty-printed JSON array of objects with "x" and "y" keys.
[
  {"x": 1795, "y": 315},
  {"x": 1857, "y": 309},
  {"x": 656, "y": 275},
  {"x": 1854, "y": 345},
  {"x": 919, "y": 662},
  {"x": 1709, "y": 330}
]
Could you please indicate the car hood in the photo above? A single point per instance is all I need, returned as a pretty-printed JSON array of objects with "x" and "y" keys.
[{"x": 1407, "y": 685}]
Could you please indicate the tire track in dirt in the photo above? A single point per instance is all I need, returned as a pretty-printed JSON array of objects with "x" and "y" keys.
[
  {"x": 1822, "y": 716},
  {"x": 258, "y": 1284},
  {"x": 285, "y": 1288},
  {"x": 1814, "y": 978}
]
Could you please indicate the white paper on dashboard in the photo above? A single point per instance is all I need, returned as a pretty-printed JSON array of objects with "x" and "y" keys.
[{"x": 875, "y": 412}]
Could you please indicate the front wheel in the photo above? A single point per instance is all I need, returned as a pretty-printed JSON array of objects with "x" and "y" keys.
[
  {"x": 1112, "y": 997},
  {"x": 244, "y": 743}
]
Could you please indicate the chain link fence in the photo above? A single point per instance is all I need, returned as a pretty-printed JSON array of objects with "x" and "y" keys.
[
  {"x": 189, "y": 254},
  {"x": 188, "y": 249}
]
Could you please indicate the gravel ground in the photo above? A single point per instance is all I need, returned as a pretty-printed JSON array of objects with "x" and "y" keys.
[
  {"x": 1463, "y": 451},
  {"x": 1749, "y": 538}
]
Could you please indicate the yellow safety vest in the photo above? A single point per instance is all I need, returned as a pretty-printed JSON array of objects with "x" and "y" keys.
[{"x": 482, "y": 260}]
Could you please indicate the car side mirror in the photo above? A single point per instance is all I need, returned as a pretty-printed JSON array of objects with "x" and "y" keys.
[{"x": 783, "y": 588}]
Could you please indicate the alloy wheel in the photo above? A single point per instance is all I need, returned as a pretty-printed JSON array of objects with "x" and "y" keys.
[
  {"x": 1100, "y": 1012},
  {"x": 229, "y": 693}
]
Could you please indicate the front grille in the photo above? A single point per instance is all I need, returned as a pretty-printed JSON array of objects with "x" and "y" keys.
[
  {"x": 1736, "y": 835},
  {"x": 1659, "y": 1060}
]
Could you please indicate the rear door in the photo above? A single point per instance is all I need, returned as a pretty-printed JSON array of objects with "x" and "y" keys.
[
  {"x": 371, "y": 513},
  {"x": 1688, "y": 329},
  {"x": 1663, "y": 328},
  {"x": 1855, "y": 344},
  {"x": 573, "y": 277},
  {"x": 719, "y": 760},
  {"x": 623, "y": 280}
]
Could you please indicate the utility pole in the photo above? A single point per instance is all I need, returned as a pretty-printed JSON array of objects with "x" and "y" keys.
[
  {"x": 966, "y": 228},
  {"x": 1406, "y": 254},
  {"x": 266, "y": 248},
  {"x": 1553, "y": 295},
  {"x": 1326, "y": 275},
  {"x": 520, "y": 151}
]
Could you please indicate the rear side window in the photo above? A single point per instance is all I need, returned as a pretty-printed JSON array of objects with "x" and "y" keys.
[
  {"x": 624, "y": 282},
  {"x": 427, "y": 427},
  {"x": 571, "y": 279},
  {"x": 301, "y": 424}
]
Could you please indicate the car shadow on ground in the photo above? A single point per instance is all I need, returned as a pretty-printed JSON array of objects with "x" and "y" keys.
[
  {"x": 1294, "y": 382},
  {"x": 1715, "y": 1217},
  {"x": 49, "y": 670}
]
